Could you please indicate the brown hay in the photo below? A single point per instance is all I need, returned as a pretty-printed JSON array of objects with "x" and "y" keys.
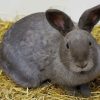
[{"x": 10, "y": 91}]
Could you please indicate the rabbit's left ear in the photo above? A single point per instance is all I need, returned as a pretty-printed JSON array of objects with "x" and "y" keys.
[
  {"x": 59, "y": 20},
  {"x": 89, "y": 18}
]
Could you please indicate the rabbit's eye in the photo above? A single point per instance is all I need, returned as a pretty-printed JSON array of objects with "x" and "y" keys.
[
  {"x": 67, "y": 45},
  {"x": 90, "y": 43}
]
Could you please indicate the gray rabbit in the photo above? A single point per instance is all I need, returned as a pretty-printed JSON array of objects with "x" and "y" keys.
[{"x": 50, "y": 46}]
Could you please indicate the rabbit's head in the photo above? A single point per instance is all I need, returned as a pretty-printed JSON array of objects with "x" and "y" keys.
[{"x": 78, "y": 49}]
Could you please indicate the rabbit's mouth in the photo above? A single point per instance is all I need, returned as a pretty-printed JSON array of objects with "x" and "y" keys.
[
  {"x": 85, "y": 72},
  {"x": 81, "y": 70}
]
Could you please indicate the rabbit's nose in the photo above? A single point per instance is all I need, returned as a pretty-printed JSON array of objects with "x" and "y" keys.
[{"x": 82, "y": 65}]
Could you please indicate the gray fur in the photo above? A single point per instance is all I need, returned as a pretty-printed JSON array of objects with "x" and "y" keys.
[{"x": 33, "y": 51}]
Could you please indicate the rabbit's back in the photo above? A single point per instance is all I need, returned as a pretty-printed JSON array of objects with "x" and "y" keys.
[{"x": 35, "y": 38}]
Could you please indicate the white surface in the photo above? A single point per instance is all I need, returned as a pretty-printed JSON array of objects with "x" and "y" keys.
[{"x": 11, "y": 9}]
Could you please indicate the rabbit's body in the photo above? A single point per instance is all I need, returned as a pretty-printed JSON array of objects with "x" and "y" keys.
[
  {"x": 33, "y": 51},
  {"x": 39, "y": 46},
  {"x": 36, "y": 46}
]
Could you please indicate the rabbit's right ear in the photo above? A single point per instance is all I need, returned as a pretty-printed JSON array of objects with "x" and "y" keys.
[
  {"x": 59, "y": 20},
  {"x": 89, "y": 18}
]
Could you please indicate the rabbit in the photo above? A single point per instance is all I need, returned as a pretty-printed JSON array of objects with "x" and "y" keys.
[{"x": 50, "y": 46}]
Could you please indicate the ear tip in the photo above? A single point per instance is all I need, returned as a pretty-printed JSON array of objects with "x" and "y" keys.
[
  {"x": 52, "y": 11},
  {"x": 97, "y": 7}
]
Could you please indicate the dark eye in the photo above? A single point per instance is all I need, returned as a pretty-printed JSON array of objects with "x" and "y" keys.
[
  {"x": 67, "y": 45},
  {"x": 90, "y": 43}
]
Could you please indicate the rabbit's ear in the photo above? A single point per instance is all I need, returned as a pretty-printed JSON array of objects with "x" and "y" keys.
[
  {"x": 59, "y": 20},
  {"x": 89, "y": 18}
]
